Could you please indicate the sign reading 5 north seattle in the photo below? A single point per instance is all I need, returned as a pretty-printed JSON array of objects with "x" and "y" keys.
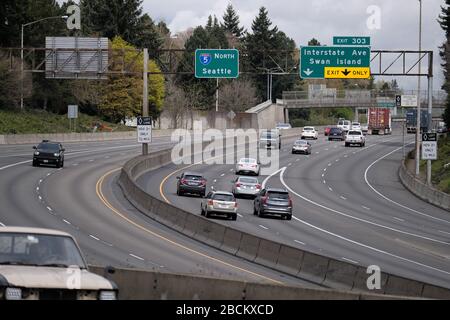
[
  {"x": 317, "y": 62},
  {"x": 216, "y": 63}
]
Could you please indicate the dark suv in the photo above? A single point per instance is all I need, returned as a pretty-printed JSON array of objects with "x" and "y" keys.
[
  {"x": 48, "y": 152},
  {"x": 336, "y": 134},
  {"x": 191, "y": 182},
  {"x": 274, "y": 202}
]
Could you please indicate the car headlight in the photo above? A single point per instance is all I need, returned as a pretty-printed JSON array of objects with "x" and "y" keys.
[
  {"x": 13, "y": 294},
  {"x": 56, "y": 154},
  {"x": 36, "y": 153},
  {"x": 107, "y": 295}
]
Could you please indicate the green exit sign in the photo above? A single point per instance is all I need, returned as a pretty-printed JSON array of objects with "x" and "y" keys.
[
  {"x": 351, "y": 41},
  {"x": 347, "y": 60},
  {"x": 216, "y": 63}
]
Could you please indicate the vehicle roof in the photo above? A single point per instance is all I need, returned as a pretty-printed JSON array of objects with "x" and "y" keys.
[
  {"x": 277, "y": 190},
  {"x": 247, "y": 177},
  {"x": 192, "y": 173},
  {"x": 223, "y": 192},
  {"x": 49, "y": 142},
  {"x": 308, "y": 127},
  {"x": 34, "y": 230}
]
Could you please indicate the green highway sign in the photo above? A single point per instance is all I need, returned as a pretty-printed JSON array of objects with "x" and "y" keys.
[
  {"x": 216, "y": 63},
  {"x": 314, "y": 60},
  {"x": 351, "y": 41}
]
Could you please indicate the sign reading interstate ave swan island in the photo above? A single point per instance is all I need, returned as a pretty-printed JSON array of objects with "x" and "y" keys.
[
  {"x": 317, "y": 62},
  {"x": 216, "y": 63}
]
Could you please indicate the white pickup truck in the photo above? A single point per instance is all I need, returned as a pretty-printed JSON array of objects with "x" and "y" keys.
[{"x": 355, "y": 137}]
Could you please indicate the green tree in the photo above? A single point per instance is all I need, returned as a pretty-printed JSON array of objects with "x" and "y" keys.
[
  {"x": 444, "y": 21},
  {"x": 122, "y": 94},
  {"x": 314, "y": 42},
  {"x": 268, "y": 51},
  {"x": 231, "y": 22}
]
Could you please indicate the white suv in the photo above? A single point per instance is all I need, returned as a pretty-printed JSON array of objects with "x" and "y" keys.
[
  {"x": 355, "y": 137},
  {"x": 309, "y": 132}
]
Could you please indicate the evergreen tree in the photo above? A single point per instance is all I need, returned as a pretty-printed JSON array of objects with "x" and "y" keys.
[
  {"x": 231, "y": 22},
  {"x": 314, "y": 42},
  {"x": 444, "y": 21}
]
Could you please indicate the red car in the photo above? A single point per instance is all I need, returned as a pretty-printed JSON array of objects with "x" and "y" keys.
[{"x": 327, "y": 131}]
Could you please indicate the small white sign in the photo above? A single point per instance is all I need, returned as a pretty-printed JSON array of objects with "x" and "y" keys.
[
  {"x": 409, "y": 100},
  {"x": 72, "y": 111},
  {"x": 429, "y": 150},
  {"x": 144, "y": 133}
]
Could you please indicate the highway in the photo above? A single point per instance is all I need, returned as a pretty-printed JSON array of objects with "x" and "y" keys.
[
  {"x": 84, "y": 199},
  {"x": 348, "y": 204}
]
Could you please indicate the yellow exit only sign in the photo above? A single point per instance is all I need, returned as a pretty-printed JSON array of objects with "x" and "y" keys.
[{"x": 347, "y": 73}]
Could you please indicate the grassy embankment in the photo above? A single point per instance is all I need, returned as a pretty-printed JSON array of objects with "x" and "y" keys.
[{"x": 16, "y": 122}]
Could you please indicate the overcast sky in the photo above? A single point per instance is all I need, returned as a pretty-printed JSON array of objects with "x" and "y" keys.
[{"x": 322, "y": 19}]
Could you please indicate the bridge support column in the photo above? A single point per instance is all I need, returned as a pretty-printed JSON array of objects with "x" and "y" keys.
[
  {"x": 286, "y": 115},
  {"x": 356, "y": 115}
]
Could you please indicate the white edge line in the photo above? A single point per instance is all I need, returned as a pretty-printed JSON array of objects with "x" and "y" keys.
[
  {"x": 299, "y": 242},
  {"x": 350, "y": 260},
  {"x": 137, "y": 257}
]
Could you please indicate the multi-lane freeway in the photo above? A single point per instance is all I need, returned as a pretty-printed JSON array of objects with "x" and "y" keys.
[{"x": 348, "y": 204}]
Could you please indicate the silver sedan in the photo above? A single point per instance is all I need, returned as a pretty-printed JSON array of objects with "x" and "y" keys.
[{"x": 246, "y": 186}]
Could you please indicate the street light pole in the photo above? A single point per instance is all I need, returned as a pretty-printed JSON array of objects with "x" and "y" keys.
[
  {"x": 21, "y": 52},
  {"x": 417, "y": 158}
]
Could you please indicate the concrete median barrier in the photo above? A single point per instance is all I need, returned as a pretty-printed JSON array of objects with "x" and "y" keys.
[
  {"x": 268, "y": 253},
  {"x": 248, "y": 247},
  {"x": 289, "y": 260},
  {"x": 402, "y": 286},
  {"x": 314, "y": 267},
  {"x": 137, "y": 284},
  {"x": 340, "y": 275},
  {"x": 210, "y": 233},
  {"x": 231, "y": 240}
]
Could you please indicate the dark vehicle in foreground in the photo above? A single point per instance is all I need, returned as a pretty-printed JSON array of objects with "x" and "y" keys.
[
  {"x": 48, "y": 152},
  {"x": 44, "y": 264},
  {"x": 192, "y": 183},
  {"x": 336, "y": 134},
  {"x": 272, "y": 201}
]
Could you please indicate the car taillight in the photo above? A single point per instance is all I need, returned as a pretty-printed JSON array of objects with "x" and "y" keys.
[
  {"x": 183, "y": 181},
  {"x": 290, "y": 202},
  {"x": 203, "y": 182},
  {"x": 238, "y": 185},
  {"x": 210, "y": 202},
  {"x": 258, "y": 186},
  {"x": 235, "y": 204},
  {"x": 264, "y": 199}
]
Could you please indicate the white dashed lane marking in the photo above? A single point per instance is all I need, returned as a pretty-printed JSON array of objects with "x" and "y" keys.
[
  {"x": 343, "y": 198},
  {"x": 222, "y": 174},
  {"x": 349, "y": 260},
  {"x": 40, "y": 198},
  {"x": 263, "y": 227},
  {"x": 94, "y": 237},
  {"x": 444, "y": 232},
  {"x": 240, "y": 215},
  {"x": 66, "y": 221},
  {"x": 398, "y": 219},
  {"x": 302, "y": 243},
  {"x": 364, "y": 207},
  {"x": 49, "y": 209},
  {"x": 137, "y": 257},
  {"x": 329, "y": 188}
]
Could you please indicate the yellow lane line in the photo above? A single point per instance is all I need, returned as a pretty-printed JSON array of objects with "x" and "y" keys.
[{"x": 98, "y": 190}]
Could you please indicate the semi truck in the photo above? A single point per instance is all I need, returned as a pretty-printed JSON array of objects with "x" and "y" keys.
[
  {"x": 379, "y": 121},
  {"x": 411, "y": 120}
]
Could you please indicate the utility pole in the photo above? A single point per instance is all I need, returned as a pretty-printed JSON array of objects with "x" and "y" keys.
[
  {"x": 145, "y": 96},
  {"x": 418, "y": 95},
  {"x": 430, "y": 106},
  {"x": 217, "y": 94}
]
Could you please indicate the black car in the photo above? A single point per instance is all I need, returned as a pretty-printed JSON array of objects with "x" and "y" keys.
[
  {"x": 191, "y": 182},
  {"x": 336, "y": 134},
  {"x": 48, "y": 152},
  {"x": 272, "y": 201}
]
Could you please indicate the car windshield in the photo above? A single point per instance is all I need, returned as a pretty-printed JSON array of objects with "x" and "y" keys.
[
  {"x": 354, "y": 133},
  {"x": 223, "y": 197},
  {"x": 248, "y": 180},
  {"x": 298, "y": 142},
  {"x": 48, "y": 147},
  {"x": 278, "y": 195},
  {"x": 341, "y": 122},
  {"x": 192, "y": 177},
  {"x": 346, "y": 123},
  {"x": 335, "y": 130},
  {"x": 39, "y": 250},
  {"x": 308, "y": 129},
  {"x": 247, "y": 160},
  {"x": 355, "y": 124}
]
